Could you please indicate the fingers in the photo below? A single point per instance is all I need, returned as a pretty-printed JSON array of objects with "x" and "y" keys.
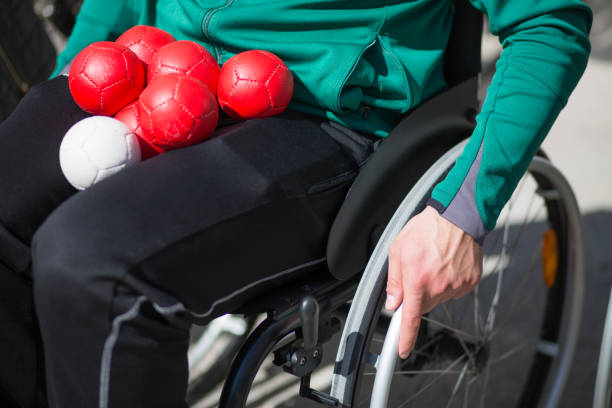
[
  {"x": 394, "y": 280},
  {"x": 411, "y": 320}
]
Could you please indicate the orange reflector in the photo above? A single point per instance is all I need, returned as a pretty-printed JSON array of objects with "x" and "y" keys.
[{"x": 550, "y": 257}]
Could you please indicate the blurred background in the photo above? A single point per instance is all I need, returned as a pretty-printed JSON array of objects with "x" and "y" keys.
[{"x": 580, "y": 143}]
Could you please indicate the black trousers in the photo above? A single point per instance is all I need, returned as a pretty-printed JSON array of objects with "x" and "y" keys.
[{"x": 118, "y": 273}]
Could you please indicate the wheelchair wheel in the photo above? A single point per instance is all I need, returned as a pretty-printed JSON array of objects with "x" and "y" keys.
[
  {"x": 211, "y": 352},
  {"x": 507, "y": 344}
]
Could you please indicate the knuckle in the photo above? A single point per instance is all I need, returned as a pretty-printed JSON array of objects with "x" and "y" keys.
[
  {"x": 420, "y": 279},
  {"x": 437, "y": 289},
  {"x": 410, "y": 255},
  {"x": 394, "y": 250},
  {"x": 459, "y": 285}
]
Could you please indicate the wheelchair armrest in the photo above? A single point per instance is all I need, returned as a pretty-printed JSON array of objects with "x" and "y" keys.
[{"x": 411, "y": 147}]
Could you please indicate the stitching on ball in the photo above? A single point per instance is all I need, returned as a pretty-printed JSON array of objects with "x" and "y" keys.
[
  {"x": 236, "y": 76},
  {"x": 272, "y": 73},
  {"x": 88, "y": 78},
  {"x": 160, "y": 104},
  {"x": 268, "y": 56},
  {"x": 176, "y": 85},
  {"x": 211, "y": 112},
  {"x": 148, "y": 46},
  {"x": 184, "y": 108},
  {"x": 99, "y": 46},
  {"x": 125, "y": 61},
  {"x": 194, "y": 65},
  {"x": 268, "y": 81},
  {"x": 150, "y": 120},
  {"x": 270, "y": 102},
  {"x": 82, "y": 71},
  {"x": 136, "y": 113},
  {"x": 99, "y": 90},
  {"x": 163, "y": 64},
  {"x": 116, "y": 82},
  {"x": 109, "y": 86}
]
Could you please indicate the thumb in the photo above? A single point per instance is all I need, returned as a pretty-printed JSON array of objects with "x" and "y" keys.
[{"x": 395, "y": 292}]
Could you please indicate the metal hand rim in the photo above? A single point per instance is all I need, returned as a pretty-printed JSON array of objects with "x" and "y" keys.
[{"x": 373, "y": 277}]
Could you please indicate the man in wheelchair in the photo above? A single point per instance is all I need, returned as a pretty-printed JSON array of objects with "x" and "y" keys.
[{"x": 108, "y": 281}]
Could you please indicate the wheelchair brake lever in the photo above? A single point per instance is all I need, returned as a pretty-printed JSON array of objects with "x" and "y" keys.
[{"x": 309, "y": 314}]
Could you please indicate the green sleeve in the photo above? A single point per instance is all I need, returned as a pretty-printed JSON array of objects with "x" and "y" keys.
[
  {"x": 545, "y": 51},
  {"x": 98, "y": 20}
]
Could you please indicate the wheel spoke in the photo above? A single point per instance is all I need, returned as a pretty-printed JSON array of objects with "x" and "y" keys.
[
  {"x": 500, "y": 276},
  {"x": 419, "y": 372},
  {"x": 463, "y": 345},
  {"x": 518, "y": 300},
  {"x": 508, "y": 353},
  {"x": 508, "y": 207},
  {"x": 477, "y": 315},
  {"x": 445, "y": 326},
  {"x": 527, "y": 219},
  {"x": 466, "y": 394},
  {"x": 432, "y": 382},
  {"x": 424, "y": 346},
  {"x": 451, "y": 320},
  {"x": 485, "y": 382},
  {"x": 528, "y": 222},
  {"x": 457, "y": 384},
  {"x": 515, "y": 241}
]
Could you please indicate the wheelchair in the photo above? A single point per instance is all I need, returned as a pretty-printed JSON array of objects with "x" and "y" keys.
[{"x": 508, "y": 343}]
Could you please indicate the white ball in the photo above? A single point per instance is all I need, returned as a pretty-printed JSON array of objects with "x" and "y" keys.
[{"x": 95, "y": 148}]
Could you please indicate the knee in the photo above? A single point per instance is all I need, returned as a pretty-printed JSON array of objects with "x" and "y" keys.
[
  {"x": 51, "y": 102},
  {"x": 66, "y": 265},
  {"x": 46, "y": 92}
]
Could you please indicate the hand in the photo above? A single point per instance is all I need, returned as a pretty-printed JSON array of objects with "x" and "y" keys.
[{"x": 430, "y": 261}]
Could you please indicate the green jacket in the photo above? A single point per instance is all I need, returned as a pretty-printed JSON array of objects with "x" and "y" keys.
[{"x": 364, "y": 63}]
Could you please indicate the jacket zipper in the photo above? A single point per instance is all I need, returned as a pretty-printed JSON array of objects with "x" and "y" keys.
[{"x": 206, "y": 25}]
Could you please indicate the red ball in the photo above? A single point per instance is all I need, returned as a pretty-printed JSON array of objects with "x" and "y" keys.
[
  {"x": 185, "y": 57},
  {"x": 145, "y": 41},
  {"x": 254, "y": 84},
  {"x": 105, "y": 77},
  {"x": 129, "y": 115},
  {"x": 176, "y": 111}
]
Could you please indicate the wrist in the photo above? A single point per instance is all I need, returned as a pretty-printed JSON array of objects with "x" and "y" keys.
[{"x": 467, "y": 221}]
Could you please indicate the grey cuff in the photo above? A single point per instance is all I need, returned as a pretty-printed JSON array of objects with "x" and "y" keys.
[{"x": 462, "y": 210}]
